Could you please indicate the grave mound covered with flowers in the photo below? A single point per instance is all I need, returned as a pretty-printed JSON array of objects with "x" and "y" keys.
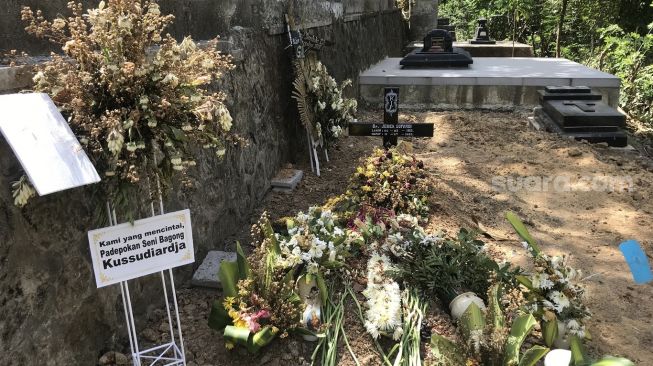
[{"x": 299, "y": 281}]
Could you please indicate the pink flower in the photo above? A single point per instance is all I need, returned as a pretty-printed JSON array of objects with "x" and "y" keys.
[{"x": 252, "y": 320}]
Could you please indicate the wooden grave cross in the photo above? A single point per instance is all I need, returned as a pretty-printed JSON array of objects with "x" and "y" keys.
[{"x": 391, "y": 129}]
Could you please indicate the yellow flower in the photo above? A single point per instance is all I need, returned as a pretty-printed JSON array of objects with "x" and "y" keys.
[
  {"x": 240, "y": 323},
  {"x": 229, "y": 345},
  {"x": 228, "y": 302}
]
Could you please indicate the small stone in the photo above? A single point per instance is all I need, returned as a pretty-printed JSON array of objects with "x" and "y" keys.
[
  {"x": 164, "y": 327},
  {"x": 150, "y": 335},
  {"x": 293, "y": 347},
  {"x": 638, "y": 196},
  {"x": 121, "y": 359},
  {"x": 442, "y": 144},
  {"x": 108, "y": 358},
  {"x": 358, "y": 287},
  {"x": 574, "y": 153},
  {"x": 265, "y": 359}
]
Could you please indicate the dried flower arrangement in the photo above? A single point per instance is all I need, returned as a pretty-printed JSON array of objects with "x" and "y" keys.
[{"x": 138, "y": 100}]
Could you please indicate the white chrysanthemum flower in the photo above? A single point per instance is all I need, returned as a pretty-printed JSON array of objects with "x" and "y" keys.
[
  {"x": 383, "y": 298},
  {"x": 560, "y": 300},
  {"x": 337, "y": 131},
  {"x": 573, "y": 324},
  {"x": 541, "y": 280}
]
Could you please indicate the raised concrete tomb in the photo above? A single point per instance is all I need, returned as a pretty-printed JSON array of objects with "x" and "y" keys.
[{"x": 490, "y": 83}]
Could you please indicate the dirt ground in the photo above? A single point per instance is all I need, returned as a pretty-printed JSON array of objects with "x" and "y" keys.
[{"x": 471, "y": 157}]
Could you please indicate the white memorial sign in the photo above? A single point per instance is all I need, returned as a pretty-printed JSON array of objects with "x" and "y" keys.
[
  {"x": 44, "y": 144},
  {"x": 127, "y": 251}
]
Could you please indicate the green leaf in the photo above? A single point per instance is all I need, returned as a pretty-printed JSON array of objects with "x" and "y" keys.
[
  {"x": 219, "y": 318},
  {"x": 321, "y": 285},
  {"x": 549, "y": 331},
  {"x": 614, "y": 361},
  {"x": 472, "y": 320},
  {"x": 533, "y": 355},
  {"x": 178, "y": 134},
  {"x": 521, "y": 328},
  {"x": 495, "y": 311},
  {"x": 447, "y": 352},
  {"x": 578, "y": 355},
  {"x": 521, "y": 230},
  {"x": 229, "y": 278},
  {"x": 243, "y": 266},
  {"x": 237, "y": 335},
  {"x": 524, "y": 280},
  {"x": 261, "y": 339}
]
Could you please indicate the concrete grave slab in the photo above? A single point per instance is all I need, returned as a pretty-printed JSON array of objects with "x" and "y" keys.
[{"x": 207, "y": 273}]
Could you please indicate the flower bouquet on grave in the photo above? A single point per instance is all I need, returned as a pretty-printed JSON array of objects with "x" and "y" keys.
[
  {"x": 260, "y": 300},
  {"x": 313, "y": 246},
  {"x": 554, "y": 294},
  {"x": 456, "y": 270},
  {"x": 393, "y": 234},
  {"x": 392, "y": 181},
  {"x": 489, "y": 338}
]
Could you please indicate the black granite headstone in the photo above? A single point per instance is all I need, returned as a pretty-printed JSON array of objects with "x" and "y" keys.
[
  {"x": 482, "y": 34},
  {"x": 437, "y": 52}
]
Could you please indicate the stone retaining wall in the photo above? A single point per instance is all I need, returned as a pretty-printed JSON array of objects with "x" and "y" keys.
[{"x": 51, "y": 312}]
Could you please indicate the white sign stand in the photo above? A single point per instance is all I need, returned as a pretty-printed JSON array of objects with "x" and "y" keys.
[
  {"x": 168, "y": 354},
  {"x": 312, "y": 154}
]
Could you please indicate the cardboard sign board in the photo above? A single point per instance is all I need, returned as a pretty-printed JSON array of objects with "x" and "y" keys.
[
  {"x": 124, "y": 252},
  {"x": 44, "y": 144}
]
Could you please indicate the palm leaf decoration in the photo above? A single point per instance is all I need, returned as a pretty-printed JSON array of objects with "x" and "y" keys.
[{"x": 303, "y": 70}]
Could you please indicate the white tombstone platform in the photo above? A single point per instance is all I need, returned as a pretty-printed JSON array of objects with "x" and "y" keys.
[{"x": 489, "y": 83}]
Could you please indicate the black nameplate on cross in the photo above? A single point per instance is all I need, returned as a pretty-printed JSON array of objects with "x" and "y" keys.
[{"x": 391, "y": 129}]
